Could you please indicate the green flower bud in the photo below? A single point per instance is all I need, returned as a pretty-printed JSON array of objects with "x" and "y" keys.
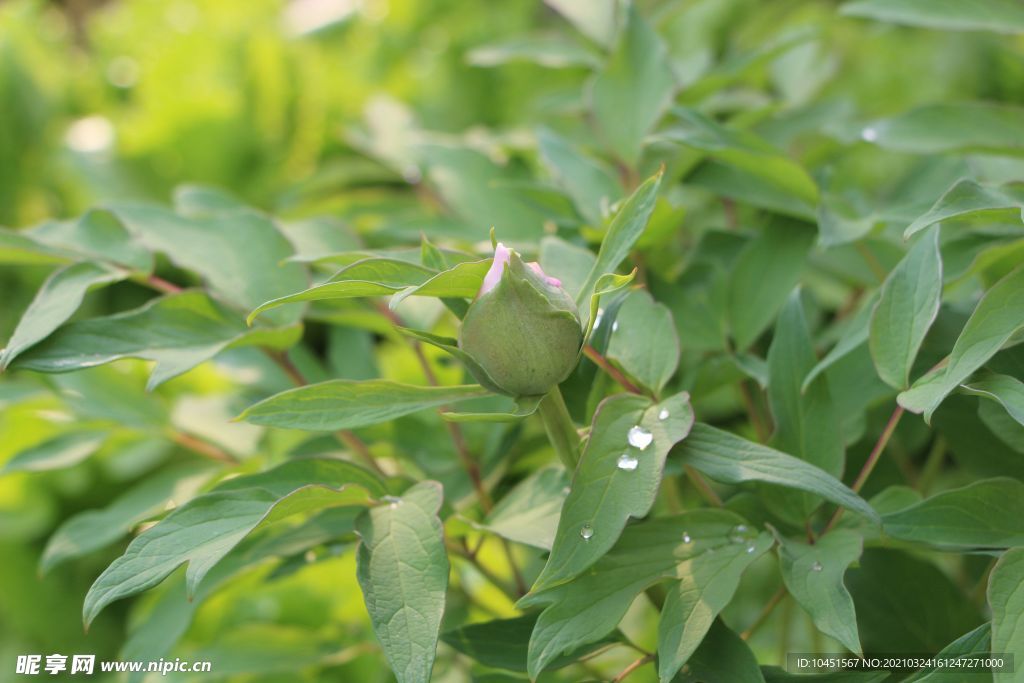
[{"x": 523, "y": 330}]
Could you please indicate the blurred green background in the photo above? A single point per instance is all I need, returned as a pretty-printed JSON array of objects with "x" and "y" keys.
[{"x": 391, "y": 117}]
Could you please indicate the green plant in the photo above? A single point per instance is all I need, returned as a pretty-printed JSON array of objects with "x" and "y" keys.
[{"x": 767, "y": 370}]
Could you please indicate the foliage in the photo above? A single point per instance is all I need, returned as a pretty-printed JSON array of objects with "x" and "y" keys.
[{"x": 243, "y": 424}]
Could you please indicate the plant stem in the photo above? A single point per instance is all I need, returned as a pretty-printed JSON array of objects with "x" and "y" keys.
[
  {"x": 752, "y": 412},
  {"x": 356, "y": 445},
  {"x": 703, "y": 488},
  {"x": 469, "y": 464},
  {"x": 203, "y": 448},
  {"x": 769, "y": 607},
  {"x": 561, "y": 431},
  {"x": 869, "y": 464},
  {"x": 454, "y": 549},
  {"x": 932, "y": 465},
  {"x": 159, "y": 284},
  {"x": 613, "y": 372},
  {"x": 872, "y": 261},
  {"x": 636, "y": 664}
]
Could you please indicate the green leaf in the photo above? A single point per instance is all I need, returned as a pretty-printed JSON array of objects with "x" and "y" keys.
[
  {"x": 1006, "y": 599},
  {"x": 55, "y": 302},
  {"x": 17, "y": 248},
  {"x": 593, "y": 18},
  {"x": 855, "y": 333},
  {"x": 590, "y": 606},
  {"x": 504, "y": 643},
  {"x": 374, "y": 276},
  {"x": 177, "y": 331},
  {"x": 240, "y": 254},
  {"x": 806, "y": 422},
  {"x": 606, "y": 284},
  {"x": 813, "y": 574},
  {"x": 1002, "y": 425},
  {"x": 522, "y": 406},
  {"x": 432, "y": 256},
  {"x": 591, "y": 185},
  {"x": 170, "y": 616},
  {"x": 624, "y": 231},
  {"x": 763, "y": 276},
  {"x": 203, "y": 530},
  {"x": 402, "y": 568},
  {"x": 842, "y": 221},
  {"x": 951, "y": 128},
  {"x": 91, "y": 530},
  {"x": 747, "y": 188},
  {"x": 56, "y": 453},
  {"x": 966, "y": 198},
  {"x": 907, "y": 604},
  {"x": 461, "y": 281},
  {"x": 478, "y": 191},
  {"x": 723, "y": 657},
  {"x": 976, "y": 643},
  {"x": 618, "y": 477},
  {"x": 998, "y": 316},
  {"x": 569, "y": 263},
  {"x": 1007, "y": 391},
  {"x": 1001, "y": 16},
  {"x": 907, "y": 307},
  {"x": 731, "y": 459},
  {"x": 702, "y": 592},
  {"x": 774, "y": 674},
  {"x": 97, "y": 236},
  {"x": 348, "y": 404},
  {"x": 451, "y": 346},
  {"x": 644, "y": 343},
  {"x": 529, "y": 513},
  {"x": 742, "y": 149},
  {"x": 985, "y": 514},
  {"x": 632, "y": 91}
]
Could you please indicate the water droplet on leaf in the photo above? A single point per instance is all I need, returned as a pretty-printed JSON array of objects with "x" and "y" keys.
[
  {"x": 639, "y": 437},
  {"x": 687, "y": 538},
  {"x": 586, "y": 532},
  {"x": 738, "y": 533},
  {"x": 663, "y": 415},
  {"x": 615, "y": 326},
  {"x": 869, "y": 134},
  {"x": 628, "y": 462},
  {"x": 816, "y": 567},
  {"x": 392, "y": 501}
]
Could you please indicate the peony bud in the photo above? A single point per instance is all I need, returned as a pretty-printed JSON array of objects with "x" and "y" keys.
[{"x": 523, "y": 330}]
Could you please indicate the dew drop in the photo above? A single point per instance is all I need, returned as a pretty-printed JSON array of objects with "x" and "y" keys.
[
  {"x": 687, "y": 538},
  {"x": 628, "y": 462},
  {"x": 663, "y": 415},
  {"x": 392, "y": 501},
  {"x": 750, "y": 548},
  {"x": 639, "y": 437},
  {"x": 615, "y": 326},
  {"x": 597, "y": 318},
  {"x": 869, "y": 134},
  {"x": 816, "y": 567},
  {"x": 586, "y": 532},
  {"x": 738, "y": 533}
]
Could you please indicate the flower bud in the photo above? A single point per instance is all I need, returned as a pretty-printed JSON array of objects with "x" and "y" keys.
[{"x": 523, "y": 330}]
